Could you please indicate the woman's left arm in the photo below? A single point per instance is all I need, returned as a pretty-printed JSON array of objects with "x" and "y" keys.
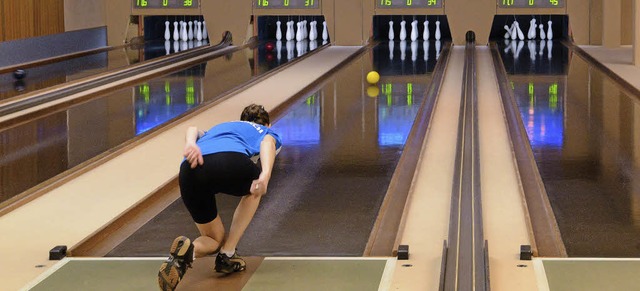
[{"x": 267, "y": 158}]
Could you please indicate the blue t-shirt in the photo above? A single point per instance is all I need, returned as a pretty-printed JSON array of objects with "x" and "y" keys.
[{"x": 236, "y": 136}]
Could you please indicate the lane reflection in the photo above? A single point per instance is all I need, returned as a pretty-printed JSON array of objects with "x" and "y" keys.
[{"x": 583, "y": 131}]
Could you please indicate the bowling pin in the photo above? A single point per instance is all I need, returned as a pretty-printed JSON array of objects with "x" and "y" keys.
[
  {"x": 414, "y": 30},
  {"x": 176, "y": 33},
  {"x": 167, "y": 31},
  {"x": 288, "y": 33},
  {"x": 542, "y": 34},
  {"x": 391, "y": 33},
  {"x": 549, "y": 49},
  {"x": 205, "y": 33},
  {"x": 508, "y": 33},
  {"x": 438, "y": 44},
  {"x": 403, "y": 49},
  {"x": 279, "y": 48},
  {"x": 167, "y": 46},
  {"x": 403, "y": 30},
  {"x": 278, "y": 31},
  {"x": 392, "y": 45},
  {"x": 425, "y": 33},
  {"x": 198, "y": 31},
  {"x": 414, "y": 50},
  {"x": 425, "y": 47},
  {"x": 325, "y": 33},
  {"x": 305, "y": 30},
  {"x": 313, "y": 34},
  {"x": 520, "y": 34},
  {"x": 190, "y": 31},
  {"x": 514, "y": 31},
  {"x": 549, "y": 31},
  {"x": 300, "y": 32},
  {"x": 532, "y": 29},
  {"x": 438, "y": 34},
  {"x": 184, "y": 35}
]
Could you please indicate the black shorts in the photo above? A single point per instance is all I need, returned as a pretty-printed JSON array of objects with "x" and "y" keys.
[{"x": 229, "y": 172}]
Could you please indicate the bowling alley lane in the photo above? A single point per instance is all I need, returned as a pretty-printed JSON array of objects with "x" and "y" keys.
[
  {"x": 50, "y": 146},
  {"x": 583, "y": 130},
  {"x": 69, "y": 69},
  {"x": 342, "y": 143}
]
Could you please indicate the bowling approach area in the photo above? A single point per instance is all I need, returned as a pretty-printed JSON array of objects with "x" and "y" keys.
[{"x": 431, "y": 146}]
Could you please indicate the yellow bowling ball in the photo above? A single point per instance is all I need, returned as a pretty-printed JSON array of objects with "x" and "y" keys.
[{"x": 373, "y": 77}]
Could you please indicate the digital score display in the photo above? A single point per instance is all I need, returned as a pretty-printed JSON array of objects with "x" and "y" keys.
[
  {"x": 287, "y": 4},
  {"x": 531, "y": 3},
  {"x": 161, "y": 4},
  {"x": 409, "y": 3}
]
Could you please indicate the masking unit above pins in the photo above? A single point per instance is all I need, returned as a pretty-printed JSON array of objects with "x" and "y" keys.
[
  {"x": 409, "y": 3},
  {"x": 531, "y": 3},
  {"x": 165, "y": 4},
  {"x": 286, "y": 4}
]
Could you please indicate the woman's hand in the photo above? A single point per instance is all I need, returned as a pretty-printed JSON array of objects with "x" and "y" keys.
[
  {"x": 193, "y": 154},
  {"x": 260, "y": 185}
]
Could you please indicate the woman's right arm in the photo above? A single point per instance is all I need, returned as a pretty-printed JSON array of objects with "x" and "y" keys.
[{"x": 191, "y": 150}]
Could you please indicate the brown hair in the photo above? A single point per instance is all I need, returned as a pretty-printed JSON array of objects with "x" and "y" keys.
[{"x": 255, "y": 113}]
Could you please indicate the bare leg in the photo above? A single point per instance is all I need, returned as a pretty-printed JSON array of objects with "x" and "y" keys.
[
  {"x": 211, "y": 237},
  {"x": 241, "y": 219}
]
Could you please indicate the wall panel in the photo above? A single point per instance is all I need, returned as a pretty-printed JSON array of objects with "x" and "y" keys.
[
  {"x": 49, "y": 17},
  {"x": 18, "y": 21}
]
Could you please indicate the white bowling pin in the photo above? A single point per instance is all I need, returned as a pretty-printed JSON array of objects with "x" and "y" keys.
[
  {"x": 278, "y": 31},
  {"x": 198, "y": 30},
  {"x": 403, "y": 49},
  {"x": 549, "y": 30},
  {"x": 190, "y": 31},
  {"x": 425, "y": 48},
  {"x": 531, "y": 25},
  {"x": 549, "y": 49},
  {"x": 438, "y": 34},
  {"x": 403, "y": 30},
  {"x": 542, "y": 34},
  {"x": 520, "y": 34},
  {"x": 533, "y": 29},
  {"x": 508, "y": 33},
  {"x": 176, "y": 32},
  {"x": 305, "y": 30},
  {"x": 438, "y": 44},
  {"x": 414, "y": 50},
  {"x": 392, "y": 45},
  {"x": 300, "y": 32},
  {"x": 184, "y": 35},
  {"x": 167, "y": 46},
  {"x": 325, "y": 32},
  {"x": 314, "y": 31},
  {"x": 392, "y": 35},
  {"x": 167, "y": 31},
  {"x": 514, "y": 31},
  {"x": 288, "y": 33},
  {"x": 414, "y": 30},
  {"x": 425, "y": 33},
  {"x": 205, "y": 33}
]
